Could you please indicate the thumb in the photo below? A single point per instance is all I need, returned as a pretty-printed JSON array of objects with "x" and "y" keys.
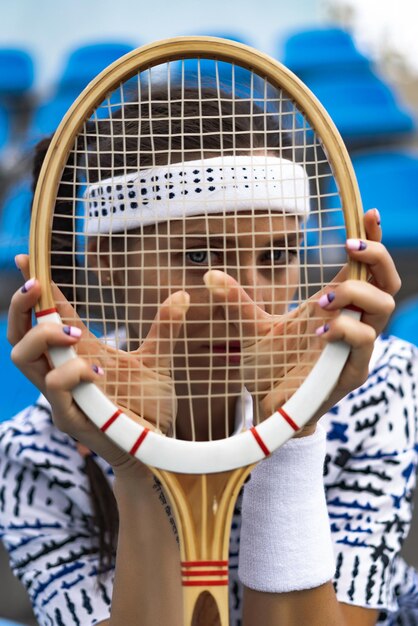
[{"x": 165, "y": 330}]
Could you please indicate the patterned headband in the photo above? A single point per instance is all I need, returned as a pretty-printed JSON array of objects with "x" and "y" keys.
[{"x": 202, "y": 187}]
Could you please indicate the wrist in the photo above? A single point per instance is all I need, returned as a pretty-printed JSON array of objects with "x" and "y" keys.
[
  {"x": 286, "y": 540},
  {"x": 132, "y": 478}
]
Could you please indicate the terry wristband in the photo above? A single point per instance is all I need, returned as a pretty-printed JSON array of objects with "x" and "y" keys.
[{"x": 285, "y": 542}]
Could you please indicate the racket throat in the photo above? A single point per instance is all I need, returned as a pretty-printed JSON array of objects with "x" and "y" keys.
[{"x": 203, "y": 505}]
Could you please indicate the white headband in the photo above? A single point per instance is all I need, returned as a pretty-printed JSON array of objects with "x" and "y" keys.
[{"x": 202, "y": 187}]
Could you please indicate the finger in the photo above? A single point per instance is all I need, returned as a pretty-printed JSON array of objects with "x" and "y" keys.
[
  {"x": 29, "y": 353},
  {"x": 165, "y": 329},
  {"x": 379, "y": 263},
  {"x": 59, "y": 383},
  {"x": 372, "y": 225},
  {"x": 374, "y": 233},
  {"x": 20, "y": 310},
  {"x": 22, "y": 262},
  {"x": 377, "y": 305},
  {"x": 360, "y": 337},
  {"x": 252, "y": 318},
  {"x": 67, "y": 312}
]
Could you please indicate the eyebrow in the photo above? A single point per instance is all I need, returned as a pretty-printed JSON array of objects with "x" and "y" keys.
[{"x": 291, "y": 238}]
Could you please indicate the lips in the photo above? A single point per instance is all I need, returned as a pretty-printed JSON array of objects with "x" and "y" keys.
[
  {"x": 231, "y": 351},
  {"x": 227, "y": 347}
]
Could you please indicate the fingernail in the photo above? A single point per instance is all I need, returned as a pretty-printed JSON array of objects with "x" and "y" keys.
[
  {"x": 181, "y": 299},
  {"x": 28, "y": 285},
  {"x": 97, "y": 370},
  {"x": 17, "y": 264},
  {"x": 322, "y": 329},
  {"x": 377, "y": 216},
  {"x": 219, "y": 286},
  {"x": 326, "y": 299},
  {"x": 72, "y": 331},
  {"x": 356, "y": 244}
]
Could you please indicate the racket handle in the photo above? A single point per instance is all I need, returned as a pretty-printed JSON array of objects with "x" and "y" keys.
[{"x": 203, "y": 505}]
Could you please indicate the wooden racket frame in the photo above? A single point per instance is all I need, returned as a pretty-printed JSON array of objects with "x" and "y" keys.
[{"x": 203, "y": 503}]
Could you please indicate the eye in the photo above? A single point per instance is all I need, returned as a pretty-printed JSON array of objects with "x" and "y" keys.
[
  {"x": 203, "y": 257},
  {"x": 278, "y": 256}
]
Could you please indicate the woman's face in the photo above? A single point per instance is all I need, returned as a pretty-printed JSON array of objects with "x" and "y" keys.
[{"x": 259, "y": 251}]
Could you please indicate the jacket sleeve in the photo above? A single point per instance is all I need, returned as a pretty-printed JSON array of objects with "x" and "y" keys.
[
  {"x": 46, "y": 522},
  {"x": 370, "y": 478}
]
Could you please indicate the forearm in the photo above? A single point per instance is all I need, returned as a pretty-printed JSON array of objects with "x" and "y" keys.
[
  {"x": 147, "y": 588},
  {"x": 310, "y": 607}
]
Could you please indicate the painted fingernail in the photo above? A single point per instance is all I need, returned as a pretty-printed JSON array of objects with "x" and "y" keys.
[
  {"x": 377, "y": 216},
  {"x": 356, "y": 244},
  {"x": 322, "y": 329},
  {"x": 72, "y": 331},
  {"x": 326, "y": 299},
  {"x": 28, "y": 285},
  {"x": 97, "y": 370}
]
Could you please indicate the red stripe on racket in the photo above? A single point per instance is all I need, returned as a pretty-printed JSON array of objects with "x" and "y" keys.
[
  {"x": 259, "y": 440},
  {"x": 139, "y": 441},
  {"x": 110, "y": 420},
  {"x": 288, "y": 419}
]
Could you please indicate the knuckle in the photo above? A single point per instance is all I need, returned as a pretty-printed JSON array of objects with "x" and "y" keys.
[
  {"x": 16, "y": 355},
  {"x": 397, "y": 284},
  {"x": 388, "y": 304},
  {"x": 53, "y": 381},
  {"x": 370, "y": 335}
]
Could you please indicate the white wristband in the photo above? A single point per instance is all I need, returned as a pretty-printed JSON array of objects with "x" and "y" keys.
[{"x": 285, "y": 542}]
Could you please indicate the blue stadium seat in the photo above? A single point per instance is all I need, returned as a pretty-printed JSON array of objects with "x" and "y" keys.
[
  {"x": 16, "y": 390},
  {"x": 16, "y": 72},
  {"x": 14, "y": 224},
  {"x": 49, "y": 114},
  {"x": 364, "y": 109},
  {"x": 5, "y": 128},
  {"x": 86, "y": 62},
  {"x": 318, "y": 48},
  {"x": 47, "y": 117},
  {"x": 404, "y": 322},
  {"x": 388, "y": 181}
]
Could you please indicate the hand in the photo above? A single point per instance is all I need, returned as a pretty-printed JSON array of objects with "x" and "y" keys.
[
  {"x": 147, "y": 368},
  {"x": 264, "y": 334}
]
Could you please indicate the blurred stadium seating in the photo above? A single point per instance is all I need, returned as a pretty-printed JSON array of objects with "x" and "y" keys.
[
  {"x": 388, "y": 180},
  {"x": 5, "y": 127},
  {"x": 364, "y": 109},
  {"x": 86, "y": 62},
  {"x": 18, "y": 392},
  {"x": 16, "y": 72},
  {"x": 363, "y": 106},
  {"x": 14, "y": 223},
  {"x": 404, "y": 323},
  {"x": 321, "y": 49}
]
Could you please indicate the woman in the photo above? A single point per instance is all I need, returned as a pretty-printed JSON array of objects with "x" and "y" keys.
[{"x": 62, "y": 545}]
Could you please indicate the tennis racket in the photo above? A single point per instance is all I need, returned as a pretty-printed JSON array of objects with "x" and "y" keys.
[{"x": 197, "y": 173}]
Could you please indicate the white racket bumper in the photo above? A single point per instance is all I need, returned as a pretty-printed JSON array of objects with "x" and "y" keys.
[{"x": 195, "y": 457}]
